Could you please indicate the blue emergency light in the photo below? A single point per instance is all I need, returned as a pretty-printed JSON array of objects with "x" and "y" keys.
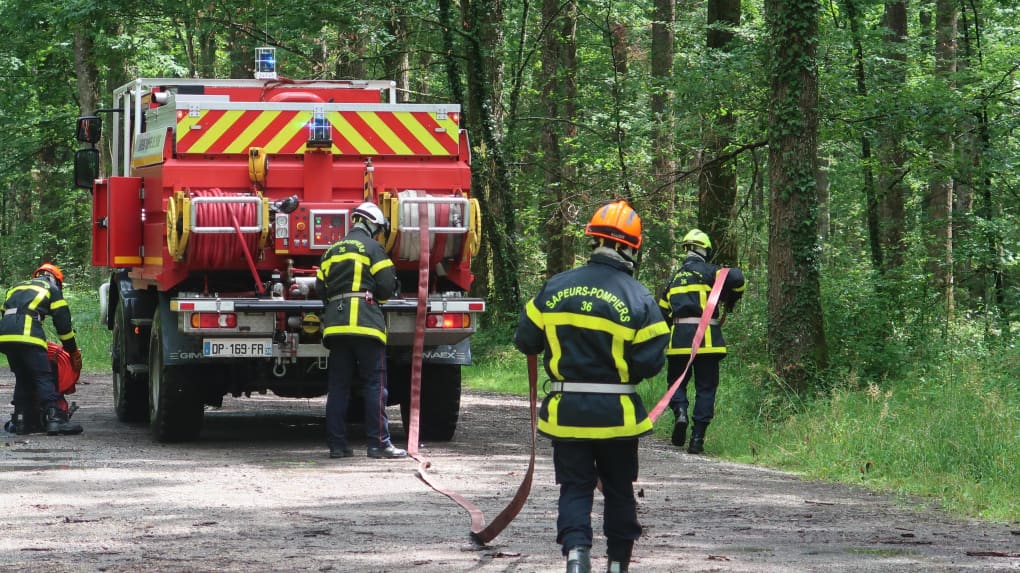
[
  {"x": 320, "y": 132},
  {"x": 265, "y": 63}
]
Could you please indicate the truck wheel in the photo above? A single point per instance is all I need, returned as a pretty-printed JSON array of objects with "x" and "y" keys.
[
  {"x": 440, "y": 402},
  {"x": 175, "y": 407},
  {"x": 130, "y": 394}
]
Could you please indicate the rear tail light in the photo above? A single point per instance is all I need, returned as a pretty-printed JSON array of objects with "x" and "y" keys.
[
  {"x": 452, "y": 320},
  {"x": 214, "y": 320}
]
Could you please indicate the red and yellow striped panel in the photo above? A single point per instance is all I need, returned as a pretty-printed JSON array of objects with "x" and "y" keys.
[{"x": 411, "y": 133}]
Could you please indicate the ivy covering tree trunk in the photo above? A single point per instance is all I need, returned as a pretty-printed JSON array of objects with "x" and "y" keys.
[{"x": 796, "y": 336}]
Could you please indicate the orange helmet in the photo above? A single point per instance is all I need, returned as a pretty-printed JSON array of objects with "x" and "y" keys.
[
  {"x": 618, "y": 222},
  {"x": 50, "y": 269}
]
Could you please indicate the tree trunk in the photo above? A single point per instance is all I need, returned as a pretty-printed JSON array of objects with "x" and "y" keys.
[
  {"x": 939, "y": 200},
  {"x": 396, "y": 57},
  {"x": 892, "y": 190},
  {"x": 717, "y": 181},
  {"x": 796, "y": 336},
  {"x": 660, "y": 234},
  {"x": 86, "y": 72},
  {"x": 558, "y": 91},
  {"x": 490, "y": 179}
]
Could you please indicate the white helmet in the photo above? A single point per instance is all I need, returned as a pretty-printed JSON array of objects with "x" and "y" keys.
[{"x": 371, "y": 214}]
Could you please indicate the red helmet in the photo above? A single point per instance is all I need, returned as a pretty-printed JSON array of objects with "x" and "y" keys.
[
  {"x": 618, "y": 222},
  {"x": 51, "y": 270}
]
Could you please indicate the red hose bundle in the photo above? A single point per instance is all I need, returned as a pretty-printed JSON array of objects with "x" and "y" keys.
[{"x": 222, "y": 250}]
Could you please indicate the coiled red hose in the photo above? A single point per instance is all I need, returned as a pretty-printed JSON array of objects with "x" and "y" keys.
[{"x": 222, "y": 250}]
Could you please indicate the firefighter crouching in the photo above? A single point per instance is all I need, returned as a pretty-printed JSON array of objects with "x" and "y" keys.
[
  {"x": 22, "y": 338},
  {"x": 355, "y": 275},
  {"x": 601, "y": 334},
  {"x": 682, "y": 303}
]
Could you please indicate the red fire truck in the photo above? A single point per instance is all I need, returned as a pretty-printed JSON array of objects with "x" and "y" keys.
[{"x": 218, "y": 201}]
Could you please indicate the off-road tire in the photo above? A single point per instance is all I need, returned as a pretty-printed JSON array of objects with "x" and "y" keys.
[
  {"x": 130, "y": 391},
  {"x": 176, "y": 408},
  {"x": 440, "y": 403}
]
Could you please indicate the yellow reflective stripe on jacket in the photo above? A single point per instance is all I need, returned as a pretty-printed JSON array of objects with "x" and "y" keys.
[
  {"x": 703, "y": 291},
  {"x": 359, "y": 259},
  {"x": 359, "y": 330},
  {"x": 650, "y": 332},
  {"x": 701, "y": 351},
  {"x": 67, "y": 336},
  {"x": 352, "y": 326},
  {"x": 58, "y": 304},
  {"x": 619, "y": 333},
  {"x": 24, "y": 339},
  {"x": 41, "y": 294},
  {"x": 380, "y": 266},
  {"x": 534, "y": 314},
  {"x": 630, "y": 427}
]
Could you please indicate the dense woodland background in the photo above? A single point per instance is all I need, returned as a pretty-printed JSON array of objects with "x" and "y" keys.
[{"x": 854, "y": 157}]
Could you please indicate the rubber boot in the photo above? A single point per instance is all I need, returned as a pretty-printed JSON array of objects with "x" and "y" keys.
[
  {"x": 679, "y": 427},
  {"x": 617, "y": 567},
  {"x": 579, "y": 560},
  {"x": 16, "y": 425},
  {"x": 57, "y": 422},
  {"x": 697, "y": 444}
]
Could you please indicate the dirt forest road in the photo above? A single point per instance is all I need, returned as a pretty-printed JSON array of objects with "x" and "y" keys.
[{"x": 259, "y": 494}]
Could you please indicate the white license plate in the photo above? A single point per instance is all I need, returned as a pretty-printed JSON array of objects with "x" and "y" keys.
[{"x": 237, "y": 347}]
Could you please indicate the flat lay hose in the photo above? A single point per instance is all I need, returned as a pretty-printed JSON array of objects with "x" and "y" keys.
[{"x": 480, "y": 532}]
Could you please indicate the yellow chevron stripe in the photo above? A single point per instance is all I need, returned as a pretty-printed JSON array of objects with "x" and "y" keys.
[
  {"x": 350, "y": 134},
  {"x": 243, "y": 141},
  {"x": 420, "y": 132},
  {"x": 216, "y": 130},
  {"x": 295, "y": 125},
  {"x": 452, "y": 129},
  {"x": 385, "y": 133},
  {"x": 185, "y": 123}
]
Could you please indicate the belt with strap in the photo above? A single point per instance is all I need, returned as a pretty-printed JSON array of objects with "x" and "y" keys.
[
  {"x": 593, "y": 387},
  {"x": 694, "y": 320},
  {"x": 348, "y": 295}
]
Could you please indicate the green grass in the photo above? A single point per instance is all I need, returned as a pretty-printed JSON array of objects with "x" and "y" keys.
[{"x": 950, "y": 436}]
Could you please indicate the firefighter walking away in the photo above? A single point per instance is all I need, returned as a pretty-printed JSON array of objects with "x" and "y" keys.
[
  {"x": 38, "y": 405},
  {"x": 601, "y": 334},
  {"x": 682, "y": 303}
]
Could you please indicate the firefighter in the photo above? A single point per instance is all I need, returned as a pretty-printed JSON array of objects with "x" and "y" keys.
[
  {"x": 601, "y": 334},
  {"x": 682, "y": 303},
  {"x": 22, "y": 338},
  {"x": 355, "y": 275}
]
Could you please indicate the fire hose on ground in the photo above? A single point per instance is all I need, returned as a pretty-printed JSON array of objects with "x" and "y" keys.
[{"x": 480, "y": 532}]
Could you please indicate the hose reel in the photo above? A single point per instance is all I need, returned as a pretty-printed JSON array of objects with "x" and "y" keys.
[{"x": 454, "y": 224}]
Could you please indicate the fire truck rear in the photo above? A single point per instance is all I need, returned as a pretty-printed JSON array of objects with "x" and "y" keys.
[{"x": 220, "y": 198}]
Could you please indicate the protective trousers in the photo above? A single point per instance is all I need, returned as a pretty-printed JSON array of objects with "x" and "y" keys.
[
  {"x": 706, "y": 382},
  {"x": 579, "y": 466},
  {"x": 356, "y": 360},
  {"x": 33, "y": 378}
]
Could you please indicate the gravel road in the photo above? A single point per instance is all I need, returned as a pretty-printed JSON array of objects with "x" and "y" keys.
[{"x": 259, "y": 494}]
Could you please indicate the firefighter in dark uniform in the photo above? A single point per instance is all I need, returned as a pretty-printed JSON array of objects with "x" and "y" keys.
[
  {"x": 601, "y": 334},
  {"x": 682, "y": 303},
  {"x": 23, "y": 340},
  {"x": 355, "y": 275}
]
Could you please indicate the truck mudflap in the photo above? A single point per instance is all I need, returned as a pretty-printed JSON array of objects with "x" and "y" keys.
[{"x": 454, "y": 354}]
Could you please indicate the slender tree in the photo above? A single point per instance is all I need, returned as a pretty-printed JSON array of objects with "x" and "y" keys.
[
  {"x": 939, "y": 199},
  {"x": 559, "y": 90},
  {"x": 662, "y": 235},
  {"x": 717, "y": 180}
]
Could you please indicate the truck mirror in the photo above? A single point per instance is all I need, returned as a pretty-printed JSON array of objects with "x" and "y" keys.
[
  {"x": 86, "y": 167},
  {"x": 89, "y": 129}
]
